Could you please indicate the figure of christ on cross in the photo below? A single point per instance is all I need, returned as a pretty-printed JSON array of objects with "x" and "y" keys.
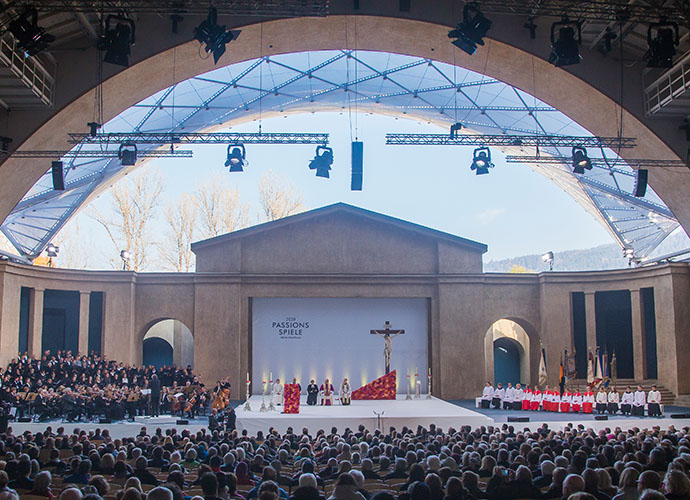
[{"x": 388, "y": 336}]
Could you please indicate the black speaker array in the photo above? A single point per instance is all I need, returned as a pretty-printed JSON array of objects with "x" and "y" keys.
[
  {"x": 641, "y": 182},
  {"x": 357, "y": 166},
  {"x": 58, "y": 176}
]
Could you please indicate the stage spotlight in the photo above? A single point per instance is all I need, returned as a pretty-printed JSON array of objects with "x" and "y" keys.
[
  {"x": 662, "y": 46},
  {"x": 30, "y": 37},
  {"x": 127, "y": 154},
  {"x": 469, "y": 33},
  {"x": 125, "y": 256},
  {"x": 52, "y": 251},
  {"x": 93, "y": 128},
  {"x": 548, "y": 258},
  {"x": 5, "y": 143},
  {"x": 481, "y": 161},
  {"x": 117, "y": 41},
  {"x": 581, "y": 161},
  {"x": 236, "y": 158},
  {"x": 565, "y": 50},
  {"x": 322, "y": 161},
  {"x": 454, "y": 129},
  {"x": 215, "y": 37}
]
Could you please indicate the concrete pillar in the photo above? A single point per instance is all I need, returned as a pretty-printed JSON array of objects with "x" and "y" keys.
[
  {"x": 35, "y": 343},
  {"x": 638, "y": 334},
  {"x": 591, "y": 321},
  {"x": 84, "y": 301}
]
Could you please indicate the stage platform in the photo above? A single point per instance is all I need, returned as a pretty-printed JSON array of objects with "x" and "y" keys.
[{"x": 395, "y": 413}]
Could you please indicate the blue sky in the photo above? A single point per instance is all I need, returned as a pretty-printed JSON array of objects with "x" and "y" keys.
[{"x": 513, "y": 210}]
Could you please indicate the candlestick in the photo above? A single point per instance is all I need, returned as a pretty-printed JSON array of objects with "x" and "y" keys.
[
  {"x": 247, "y": 407},
  {"x": 263, "y": 408},
  {"x": 428, "y": 394},
  {"x": 408, "y": 385}
]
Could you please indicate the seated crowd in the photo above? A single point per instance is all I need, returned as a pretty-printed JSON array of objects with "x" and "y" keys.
[
  {"x": 423, "y": 464},
  {"x": 65, "y": 385},
  {"x": 567, "y": 401}
]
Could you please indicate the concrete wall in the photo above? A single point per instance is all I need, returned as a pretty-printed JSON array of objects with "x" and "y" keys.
[{"x": 217, "y": 309}]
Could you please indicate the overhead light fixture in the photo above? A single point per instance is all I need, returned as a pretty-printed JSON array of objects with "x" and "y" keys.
[
  {"x": 662, "y": 39},
  {"x": 52, "y": 251},
  {"x": 629, "y": 253},
  {"x": 117, "y": 41},
  {"x": 5, "y": 143},
  {"x": 529, "y": 25},
  {"x": 214, "y": 36},
  {"x": 548, "y": 258},
  {"x": 236, "y": 158},
  {"x": 581, "y": 161},
  {"x": 322, "y": 161},
  {"x": 454, "y": 129},
  {"x": 481, "y": 161},
  {"x": 471, "y": 31},
  {"x": 127, "y": 154},
  {"x": 30, "y": 37},
  {"x": 565, "y": 49},
  {"x": 93, "y": 128}
]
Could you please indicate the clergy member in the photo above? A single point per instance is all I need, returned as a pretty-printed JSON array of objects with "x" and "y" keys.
[
  {"x": 499, "y": 395},
  {"x": 487, "y": 395},
  {"x": 626, "y": 402},
  {"x": 654, "y": 403},
  {"x": 508, "y": 400},
  {"x": 613, "y": 401},
  {"x": 345, "y": 392},
  {"x": 518, "y": 397},
  {"x": 602, "y": 401},
  {"x": 577, "y": 401},
  {"x": 588, "y": 401},
  {"x": 312, "y": 392},
  {"x": 326, "y": 393},
  {"x": 526, "y": 398},
  {"x": 277, "y": 392},
  {"x": 536, "y": 399}
]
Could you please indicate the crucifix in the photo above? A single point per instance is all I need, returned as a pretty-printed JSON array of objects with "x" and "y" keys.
[{"x": 388, "y": 336}]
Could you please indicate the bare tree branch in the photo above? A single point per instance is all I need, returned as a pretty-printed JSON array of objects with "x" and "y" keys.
[
  {"x": 278, "y": 197},
  {"x": 176, "y": 249},
  {"x": 220, "y": 208}
]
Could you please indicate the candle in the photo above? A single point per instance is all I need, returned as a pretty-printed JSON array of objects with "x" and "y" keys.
[
  {"x": 270, "y": 377},
  {"x": 247, "y": 376},
  {"x": 430, "y": 371}
]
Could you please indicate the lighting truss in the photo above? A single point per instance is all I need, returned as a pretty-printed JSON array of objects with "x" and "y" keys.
[
  {"x": 598, "y": 162},
  {"x": 95, "y": 153},
  {"x": 510, "y": 140},
  {"x": 265, "y": 8},
  {"x": 200, "y": 138},
  {"x": 588, "y": 9}
]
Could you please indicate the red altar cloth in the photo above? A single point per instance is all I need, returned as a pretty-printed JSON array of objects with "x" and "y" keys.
[
  {"x": 291, "y": 396},
  {"x": 381, "y": 388}
]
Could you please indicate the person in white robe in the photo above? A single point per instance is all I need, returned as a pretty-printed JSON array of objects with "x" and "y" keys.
[
  {"x": 639, "y": 401},
  {"x": 654, "y": 403},
  {"x": 277, "y": 392}
]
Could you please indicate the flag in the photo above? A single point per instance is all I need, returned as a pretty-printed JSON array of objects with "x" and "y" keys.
[
  {"x": 590, "y": 368},
  {"x": 597, "y": 368},
  {"x": 605, "y": 365},
  {"x": 561, "y": 374},
  {"x": 542, "y": 368},
  {"x": 571, "y": 368}
]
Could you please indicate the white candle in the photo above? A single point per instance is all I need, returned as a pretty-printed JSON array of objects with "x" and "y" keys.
[
  {"x": 430, "y": 371},
  {"x": 270, "y": 377}
]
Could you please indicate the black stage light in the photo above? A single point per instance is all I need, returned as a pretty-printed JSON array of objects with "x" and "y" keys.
[
  {"x": 236, "y": 158},
  {"x": 641, "y": 178},
  {"x": 481, "y": 161},
  {"x": 565, "y": 50},
  {"x": 93, "y": 128},
  {"x": 322, "y": 161},
  {"x": 215, "y": 37},
  {"x": 117, "y": 41},
  {"x": 454, "y": 129},
  {"x": 581, "y": 161},
  {"x": 58, "y": 176},
  {"x": 662, "y": 45},
  {"x": 531, "y": 27},
  {"x": 469, "y": 33},
  {"x": 127, "y": 154},
  {"x": 30, "y": 36},
  {"x": 5, "y": 143}
]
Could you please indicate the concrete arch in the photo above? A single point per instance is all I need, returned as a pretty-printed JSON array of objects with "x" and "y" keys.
[
  {"x": 174, "y": 332},
  {"x": 499, "y": 59},
  {"x": 519, "y": 331}
]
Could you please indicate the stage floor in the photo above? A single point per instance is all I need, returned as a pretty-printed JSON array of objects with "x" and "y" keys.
[{"x": 396, "y": 413}]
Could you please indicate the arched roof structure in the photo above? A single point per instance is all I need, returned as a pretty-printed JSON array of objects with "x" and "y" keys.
[
  {"x": 587, "y": 93},
  {"x": 376, "y": 82}
]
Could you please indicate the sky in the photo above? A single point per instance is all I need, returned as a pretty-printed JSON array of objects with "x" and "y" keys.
[{"x": 513, "y": 210}]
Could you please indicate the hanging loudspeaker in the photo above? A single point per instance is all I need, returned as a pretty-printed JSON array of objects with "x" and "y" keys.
[
  {"x": 58, "y": 177},
  {"x": 641, "y": 182},
  {"x": 357, "y": 166}
]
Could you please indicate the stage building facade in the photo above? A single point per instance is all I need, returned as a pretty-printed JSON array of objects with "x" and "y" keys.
[{"x": 317, "y": 283}]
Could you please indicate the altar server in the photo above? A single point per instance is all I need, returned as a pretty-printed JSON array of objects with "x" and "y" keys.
[
  {"x": 312, "y": 392},
  {"x": 588, "y": 401},
  {"x": 613, "y": 401},
  {"x": 326, "y": 390},
  {"x": 518, "y": 396},
  {"x": 577, "y": 401},
  {"x": 654, "y": 403},
  {"x": 536, "y": 398},
  {"x": 345, "y": 392},
  {"x": 277, "y": 392},
  {"x": 508, "y": 400},
  {"x": 526, "y": 398},
  {"x": 626, "y": 402},
  {"x": 566, "y": 401},
  {"x": 602, "y": 401},
  {"x": 639, "y": 400},
  {"x": 499, "y": 395},
  {"x": 487, "y": 395}
]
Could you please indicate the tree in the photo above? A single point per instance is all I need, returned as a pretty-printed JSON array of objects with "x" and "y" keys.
[
  {"x": 518, "y": 269},
  {"x": 74, "y": 249},
  {"x": 133, "y": 210},
  {"x": 176, "y": 250},
  {"x": 219, "y": 208},
  {"x": 278, "y": 197}
]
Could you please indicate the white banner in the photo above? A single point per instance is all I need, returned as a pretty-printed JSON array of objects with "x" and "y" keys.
[{"x": 315, "y": 338}]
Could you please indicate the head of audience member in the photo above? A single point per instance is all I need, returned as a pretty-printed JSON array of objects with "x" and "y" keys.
[
  {"x": 648, "y": 480},
  {"x": 573, "y": 483}
]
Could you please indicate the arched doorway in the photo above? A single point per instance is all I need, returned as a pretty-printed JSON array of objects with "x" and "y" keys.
[
  {"x": 506, "y": 361},
  {"x": 507, "y": 353},
  {"x": 168, "y": 342}
]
